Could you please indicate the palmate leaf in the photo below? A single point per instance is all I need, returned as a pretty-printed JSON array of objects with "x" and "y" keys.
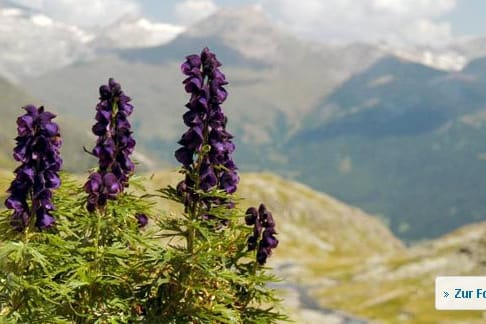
[
  {"x": 11, "y": 250},
  {"x": 226, "y": 315},
  {"x": 170, "y": 193}
]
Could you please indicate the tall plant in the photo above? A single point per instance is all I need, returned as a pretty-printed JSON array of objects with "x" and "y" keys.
[{"x": 214, "y": 245}]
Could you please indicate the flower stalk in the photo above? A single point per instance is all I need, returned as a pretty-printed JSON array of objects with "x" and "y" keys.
[
  {"x": 263, "y": 239},
  {"x": 38, "y": 151},
  {"x": 207, "y": 147},
  {"x": 113, "y": 147}
]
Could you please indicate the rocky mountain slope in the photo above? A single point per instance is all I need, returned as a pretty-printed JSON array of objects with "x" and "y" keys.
[{"x": 152, "y": 76}]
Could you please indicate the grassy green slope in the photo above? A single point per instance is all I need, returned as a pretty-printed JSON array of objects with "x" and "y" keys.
[{"x": 401, "y": 288}]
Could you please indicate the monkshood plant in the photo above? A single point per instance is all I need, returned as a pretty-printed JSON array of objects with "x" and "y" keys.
[
  {"x": 103, "y": 253},
  {"x": 219, "y": 279}
]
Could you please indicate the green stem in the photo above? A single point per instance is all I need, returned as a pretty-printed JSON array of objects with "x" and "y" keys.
[
  {"x": 32, "y": 216},
  {"x": 190, "y": 240},
  {"x": 191, "y": 231},
  {"x": 251, "y": 286},
  {"x": 255, "y": 267},
  {"x": 97, "y": 236}
]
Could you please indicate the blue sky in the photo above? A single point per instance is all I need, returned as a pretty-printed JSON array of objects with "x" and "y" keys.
[
  {"x": 422, "y": 22},
  {"x": 469, "y": 18}
]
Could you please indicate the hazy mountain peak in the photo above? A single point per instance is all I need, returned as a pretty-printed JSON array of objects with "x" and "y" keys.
[
  {"x": 230, "y": 20},
  {"x": 247, "y": 29}
]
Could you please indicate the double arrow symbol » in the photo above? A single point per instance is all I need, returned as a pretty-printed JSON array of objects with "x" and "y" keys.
[{"x": 446, "y": 294}]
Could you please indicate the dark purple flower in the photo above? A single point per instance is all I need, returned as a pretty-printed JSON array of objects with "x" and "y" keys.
[
  {"x": 266, "y": 217},
  {"x": 251, "y": 216},
  {"x": 142, "y": 220},
  {"x": 207, "y": 175},
  {"x": 185, "y": 156},
  {"x": 193, "y": 62},
  {"x": 113, "y": 147},
  {"x": 44, "y": 220},
  {"x": 264, "y": 232},
  {"x": 229, "y": 181},
  {"x": 111, "y": 185},
  {"x": 268, "y": 239},
  {"x": 94, "y": 182},
  {"x": 252, "y": 242},
  {"x": 38, "y": 146}
]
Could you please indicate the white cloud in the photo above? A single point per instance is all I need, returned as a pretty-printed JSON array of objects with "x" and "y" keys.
[
  {"x": 140, "y": 32},
  {"x": 84, "y": 13},
  {"x": 392, "y": 21},
  {"x": 21, "y": 37},
  {"x": 190, "y": 11}
]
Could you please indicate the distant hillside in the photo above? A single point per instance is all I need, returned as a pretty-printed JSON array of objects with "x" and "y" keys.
[
  {"x": 403, "y": 141},
  {"x": 401, "y": 288},
  {"x": 11, "y": 98}
]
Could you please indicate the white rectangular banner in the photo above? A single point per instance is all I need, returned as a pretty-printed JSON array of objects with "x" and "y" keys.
[{"x": 460, "y": 293}]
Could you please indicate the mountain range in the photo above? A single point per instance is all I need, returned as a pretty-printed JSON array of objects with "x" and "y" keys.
[{"x": 397, "y": 133}]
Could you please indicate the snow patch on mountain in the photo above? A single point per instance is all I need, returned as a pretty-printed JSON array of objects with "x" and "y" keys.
[{"x": 444, "y": 58}]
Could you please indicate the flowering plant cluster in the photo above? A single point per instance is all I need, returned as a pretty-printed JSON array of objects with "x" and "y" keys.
[{"x": 99, "y": 258}]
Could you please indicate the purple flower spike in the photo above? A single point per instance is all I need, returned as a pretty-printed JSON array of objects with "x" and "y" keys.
[
  {"x": 261, "y": 219},
  {"x": 38, "y": 146},
  {"x": 113, "y": 147},
  {"x": 207, "y": 129}
]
